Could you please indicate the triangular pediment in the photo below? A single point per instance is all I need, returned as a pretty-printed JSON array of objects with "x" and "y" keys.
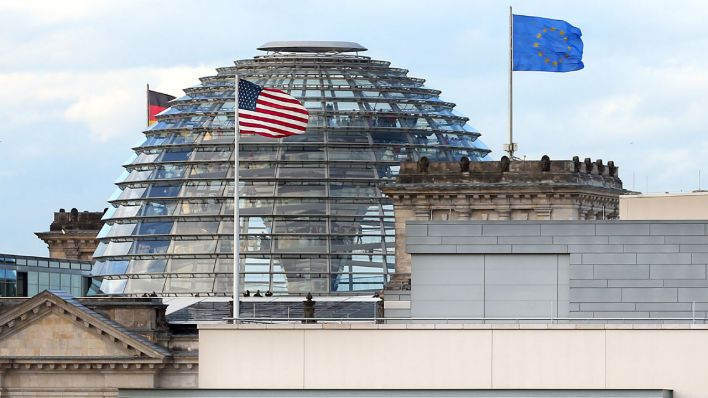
[{"x": 53, "y": 326}]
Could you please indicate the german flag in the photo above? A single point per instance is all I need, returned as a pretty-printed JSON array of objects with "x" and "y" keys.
[{"x": 156, "y": 103}]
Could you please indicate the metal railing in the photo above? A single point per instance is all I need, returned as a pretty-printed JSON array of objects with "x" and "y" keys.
[{"x": 459, "y": 320}]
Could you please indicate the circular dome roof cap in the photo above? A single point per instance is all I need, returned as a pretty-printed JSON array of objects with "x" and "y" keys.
[{"x": 312, "y": 46}]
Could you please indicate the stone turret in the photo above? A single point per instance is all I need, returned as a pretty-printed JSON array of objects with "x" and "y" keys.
[{"x": 72, "y": 235}]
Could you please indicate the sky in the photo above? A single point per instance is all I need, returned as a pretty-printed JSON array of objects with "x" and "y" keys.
[{"x": 73, "y": 76}]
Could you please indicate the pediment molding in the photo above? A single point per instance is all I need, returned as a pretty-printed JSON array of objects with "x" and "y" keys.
[{"x": 135, "y": 346}]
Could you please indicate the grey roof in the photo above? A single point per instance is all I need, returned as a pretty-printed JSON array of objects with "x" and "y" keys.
[
  {"x": 206, "y": 311},
  {"x": 312, "y": 46}
]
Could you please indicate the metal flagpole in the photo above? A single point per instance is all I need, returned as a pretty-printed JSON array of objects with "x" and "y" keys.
[
  {"x": 511, "y": 146},
  {"x": 237, "y": 224},
  {"x": 147, "y": 105}
]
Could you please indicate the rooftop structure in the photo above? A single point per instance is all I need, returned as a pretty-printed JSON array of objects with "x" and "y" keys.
[
  {"x": 312, "y": 216},
  {"x": 72, "y": 235},
  {"x": 312, "y": 46}
]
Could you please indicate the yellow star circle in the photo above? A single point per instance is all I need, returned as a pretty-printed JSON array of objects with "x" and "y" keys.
[{"x": 561, "y": 33}]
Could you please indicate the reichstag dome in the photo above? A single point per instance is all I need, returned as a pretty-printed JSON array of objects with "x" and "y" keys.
[{"x": 312, "y": 217}]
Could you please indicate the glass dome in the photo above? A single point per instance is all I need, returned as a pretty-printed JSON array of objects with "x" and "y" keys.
[{"x": 312, "y": 217}]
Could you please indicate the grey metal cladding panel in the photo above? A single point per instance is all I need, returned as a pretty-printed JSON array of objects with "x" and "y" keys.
[
  {"x": 699, "y": 258},
  {"x": 454, "y": 308},
  {"x": 677, "y": 271},
  {"x": 664, "y": 258},
  {"x": 521, "y": 309},
  {"x": 690, "y": 294},
  {"x": 622, "y": 228},
  {"x": 663, "y": 306},
  {"x": 452, "y": 261},
  {"x": 447, "y": 292},
  {"x": 595, "y": 248},
  {"x": 579, "y": 229},
  {"x": 609, "y": 258},
  {"x": 694, "y": 248},
  {"x": 581, "y": 271},
  {"x": 416, "y": 229},
  {"x": 636, "y": 283},
  {"x": 526, "y": 269},
  {"x": 580, "y": 240},
  {"x": 700, "y": 306},
  {"x": 677, "y": 314},
  {"x": 649, "y": 294},
  {"x": 651, "y": 248},
  {"x": 526, "y": 240},
  {"x": 687, "y": 240},
  {"x": 684, "y": 282},
  {"x": 530, "y": 249},
  {"x": 621, "y": 314},
  {"x": 595, "y": 295},
  {"x": 441, "y": 249},
  {"x": 511, "y": 292},
  {"x": 445, "y": 277},
  {"x": 530, "y": 229},
  {"x": 637, "y": 240},
  {"x": 678, "y": 229},
  {"x": 454, "y": 229},
  {"x": 529, "y": 276},
  {"x": 423, "y": 240},
  {"x": 588, "y": 283},
  {"x": 621, "y": 271},
  {"x": 607, "y": 307},
  {"x": 483, "y": 249},
  {"x": 469, "y": 240}
]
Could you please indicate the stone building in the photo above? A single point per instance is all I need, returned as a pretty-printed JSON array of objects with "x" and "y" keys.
[
  {"x": 501, "y": 190},
  {"x": 72, "y": 235},
  {"x": 55, "y": 345}
]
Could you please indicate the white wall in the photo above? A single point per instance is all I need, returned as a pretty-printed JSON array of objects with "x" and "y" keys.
[
  {"x": 443, "y": 356},
  {"x": 678, "y": 206}
]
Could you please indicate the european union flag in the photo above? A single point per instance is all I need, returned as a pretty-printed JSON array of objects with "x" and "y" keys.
[{"x": 548, "y": 45}]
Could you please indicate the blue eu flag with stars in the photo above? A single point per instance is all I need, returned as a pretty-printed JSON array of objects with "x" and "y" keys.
[{"x": 547, "y": 45}]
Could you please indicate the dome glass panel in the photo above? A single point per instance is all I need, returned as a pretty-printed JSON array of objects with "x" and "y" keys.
[{"x": 312, "y": 216}]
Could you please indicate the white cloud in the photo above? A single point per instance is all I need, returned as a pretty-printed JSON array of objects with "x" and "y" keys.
[
  {"x": 109, "y": 103},
  {"x": 47, "y": 11}
]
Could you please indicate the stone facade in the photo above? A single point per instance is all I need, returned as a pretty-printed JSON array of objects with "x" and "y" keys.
[
  {"x": 501, "y": 190},
  {"x": 72, "y": 235},
  {"x": 55, "y": 345}
]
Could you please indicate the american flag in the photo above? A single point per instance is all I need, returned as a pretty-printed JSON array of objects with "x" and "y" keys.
[{"x": 269, "y": 112}]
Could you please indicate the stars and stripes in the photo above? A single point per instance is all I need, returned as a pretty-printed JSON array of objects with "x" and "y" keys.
[{"x": 269, "y": 112}]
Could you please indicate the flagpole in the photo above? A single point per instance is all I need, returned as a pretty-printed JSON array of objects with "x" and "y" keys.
[
  {"x": 511, "y": 148},
  {"x": 237, "y": 224},
  {"x": 147, "y": 105}
]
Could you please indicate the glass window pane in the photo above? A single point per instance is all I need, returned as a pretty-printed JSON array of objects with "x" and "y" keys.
[
  {"x": 154, "y": 228},
  {"x": 150, "y": 246},
  {"x": 196, "y": 227},
  {"x": 191, "y": 265},
  {"x": 147, "y": 266}
]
